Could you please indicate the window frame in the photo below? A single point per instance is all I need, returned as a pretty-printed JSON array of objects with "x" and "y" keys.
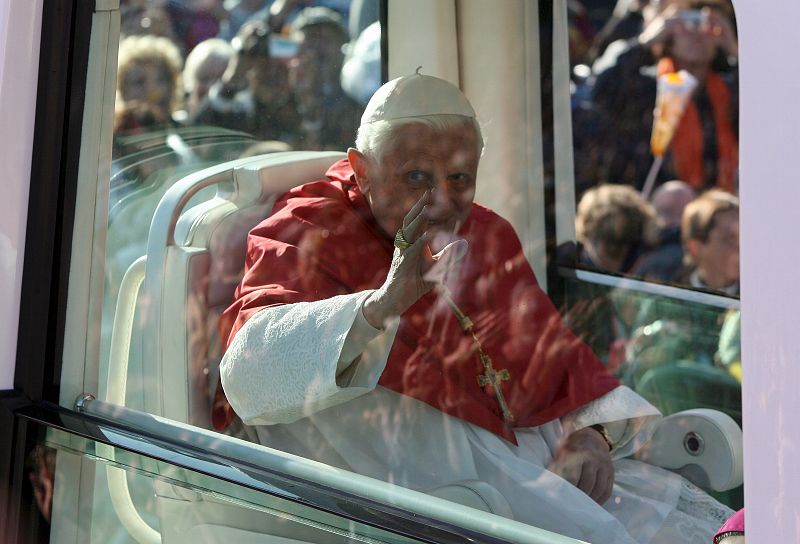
[{"x": 52, "y": 210}]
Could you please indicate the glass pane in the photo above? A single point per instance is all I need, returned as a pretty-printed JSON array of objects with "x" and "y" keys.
[
  {"x": 654, "y": 114},
  {"x": 172, "y": 504},
  {"x": 202, "y": 83},
  {"x": 344, "y": 342},
  {"x": 655, "y": 126},
  {"x": 654, "y": 96},
  {"x": 658, "y": 345}
]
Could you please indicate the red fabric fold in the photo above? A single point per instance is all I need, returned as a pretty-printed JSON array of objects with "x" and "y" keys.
[{"x": 321, "y": 241}]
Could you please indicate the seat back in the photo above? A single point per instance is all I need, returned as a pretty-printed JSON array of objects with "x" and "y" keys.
[
  {"x": 684, "y": 385},
  {"x": 195, "y": 259}
]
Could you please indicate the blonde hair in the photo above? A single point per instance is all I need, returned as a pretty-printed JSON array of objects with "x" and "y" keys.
[
  {"x": 617, "y": 212},
  {"x": 153, "y": 50}
]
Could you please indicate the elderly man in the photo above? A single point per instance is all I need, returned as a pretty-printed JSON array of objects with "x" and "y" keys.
[{"x": 388, "y": 325}]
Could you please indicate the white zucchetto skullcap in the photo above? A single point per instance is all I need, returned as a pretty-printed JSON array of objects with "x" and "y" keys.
[{"x": 416, "y": 95}]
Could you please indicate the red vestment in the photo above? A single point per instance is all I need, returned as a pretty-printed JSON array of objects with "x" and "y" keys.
[{"x": 322, "y": 240}]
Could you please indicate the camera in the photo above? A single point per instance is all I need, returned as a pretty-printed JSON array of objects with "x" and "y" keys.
[{"x": 694, "y": 19}]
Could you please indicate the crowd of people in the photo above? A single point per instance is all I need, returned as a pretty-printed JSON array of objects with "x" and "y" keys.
[
  {"x": 615, "y": 94},
  {"x": 616, "y": 73},
  {"x": 268, "y": 68},
  {"x": 277, "y": 70}
]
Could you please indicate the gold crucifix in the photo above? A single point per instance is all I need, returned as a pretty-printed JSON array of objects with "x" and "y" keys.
[
  {"x": 494, "y": 378},
  {"x": 490, "y": 376}
]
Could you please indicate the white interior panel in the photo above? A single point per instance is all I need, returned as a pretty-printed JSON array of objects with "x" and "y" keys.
[
  {"x": 423, "y": 33},
  {"x": 501, "y": 78}
]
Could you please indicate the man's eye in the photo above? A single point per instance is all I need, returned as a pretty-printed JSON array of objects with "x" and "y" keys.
[
  {"x": 418, "y": 177},
  {"x": 460, "y": 182}
]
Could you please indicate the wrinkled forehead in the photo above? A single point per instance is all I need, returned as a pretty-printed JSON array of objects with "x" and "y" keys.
[{"x": 456, "y": 144}]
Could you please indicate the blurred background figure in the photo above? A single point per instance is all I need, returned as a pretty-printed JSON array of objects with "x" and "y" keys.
[
  {"x": 665, "y": 261},
  {"x": 729, "y": 354},
  {"x": 239, "y": 12},
  {"x": 146, "y": 18},
  {"x": 148, "y": 83},
  {"x": 626, "y": 22},
  {"x": 329, "y": 117},
  {"x": 281, "y": 13},
  {"x": 710, "y": 233},
  {"x": 205, "y": 65},
  {"x": 196, "y": 20},
  {"x": 691, "y": 35},
  {"x": 361, "y": 73},
  {"x": 614, "y": 226},
  {"x": 253, "y": 95},
  {"x": 41, "y": 468}
]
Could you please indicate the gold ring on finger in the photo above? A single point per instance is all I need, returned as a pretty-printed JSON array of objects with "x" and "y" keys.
[{"x": 400, "y": 241}]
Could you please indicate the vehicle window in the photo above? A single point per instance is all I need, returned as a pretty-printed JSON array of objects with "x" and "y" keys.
[
  {"x": 356, "y": 308},
  {"x": 655, "y": 152}
]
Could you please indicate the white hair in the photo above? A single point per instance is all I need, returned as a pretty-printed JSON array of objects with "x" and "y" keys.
[
  {"x": 213, "y": 47},
  {"x": 373, "y": 138}
]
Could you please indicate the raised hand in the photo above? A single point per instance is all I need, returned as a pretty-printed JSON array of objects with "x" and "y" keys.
[{"x": 410, "y": 275}]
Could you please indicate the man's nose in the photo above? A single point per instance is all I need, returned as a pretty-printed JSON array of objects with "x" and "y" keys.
[{"x": 441, "y": 204}]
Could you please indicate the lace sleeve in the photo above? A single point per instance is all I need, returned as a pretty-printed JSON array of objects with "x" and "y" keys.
[{"x": 281, "y": 365}]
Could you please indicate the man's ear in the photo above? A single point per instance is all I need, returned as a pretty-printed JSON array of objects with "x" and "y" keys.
[
  {"x": 359, "y": 164},
  {"x": 693, "y": 248}
]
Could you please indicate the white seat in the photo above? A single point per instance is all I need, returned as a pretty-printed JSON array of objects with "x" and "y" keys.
[
  {"x": 195, "y": 258},
  {"x": 702, "y": 445},
  {"x": 170, "y": 301}
]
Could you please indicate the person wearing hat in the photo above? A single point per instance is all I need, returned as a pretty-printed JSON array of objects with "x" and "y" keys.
[
  {"x": 388, "y": 325},
  {"x": 329, "y": 118}
]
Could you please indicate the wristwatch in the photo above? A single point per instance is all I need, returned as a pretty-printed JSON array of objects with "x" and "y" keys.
[{"x": 604, "y": 433}]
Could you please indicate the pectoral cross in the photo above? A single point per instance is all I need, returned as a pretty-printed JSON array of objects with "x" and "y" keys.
[
  {"x": 490, "y": 376},
  {"x": 494, "y": 378}
]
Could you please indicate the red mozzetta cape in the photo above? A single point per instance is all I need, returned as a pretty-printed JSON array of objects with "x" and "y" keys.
[{"x": 322, "y": 240}]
